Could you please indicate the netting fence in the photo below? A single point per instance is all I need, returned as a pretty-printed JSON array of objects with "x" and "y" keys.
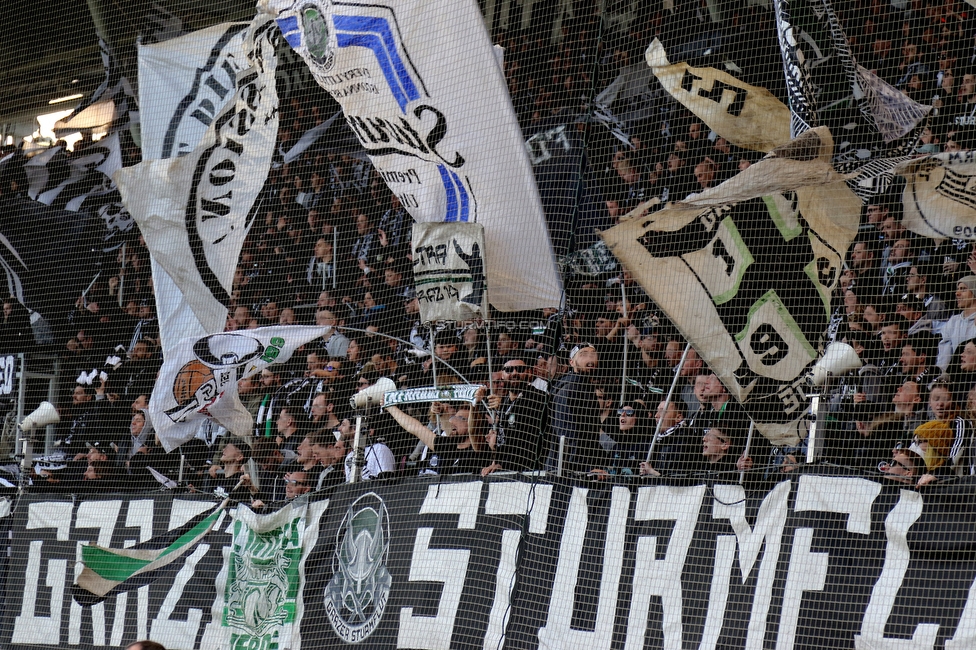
[{"x": 497, "y": 324}]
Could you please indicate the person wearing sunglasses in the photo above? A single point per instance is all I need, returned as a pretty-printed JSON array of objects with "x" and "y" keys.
[
  {"x": 629, "y": 443},
  {"x": 518, "y": 413},
  {"x": 902, "y": 467},
  {"x": 296, "y": 484}
]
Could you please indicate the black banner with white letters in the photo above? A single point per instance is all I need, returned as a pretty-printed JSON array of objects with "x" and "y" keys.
[{"x": 817, "y": 561}]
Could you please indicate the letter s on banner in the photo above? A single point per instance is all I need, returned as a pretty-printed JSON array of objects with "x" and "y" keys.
[{"x": 449, "y": 566}]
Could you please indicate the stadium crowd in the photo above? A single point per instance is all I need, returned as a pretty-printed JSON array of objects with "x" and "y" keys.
[{"x": 581, "y": 390}]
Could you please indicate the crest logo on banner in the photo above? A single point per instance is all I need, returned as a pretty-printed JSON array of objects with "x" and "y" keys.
[
  {"x": 263, "y": 579},
  {"x": 199, "y": 378},
  {"x": 449, "y": 268},
  {"x": 356, "y": 597}
]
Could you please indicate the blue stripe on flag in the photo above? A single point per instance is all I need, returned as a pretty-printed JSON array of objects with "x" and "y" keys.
[
  {"x": 463, "y": 192},
  {"x": 289, "y": 29},
  {"x": 374, "y": 34},
  {"x": 451, "y": 214}
]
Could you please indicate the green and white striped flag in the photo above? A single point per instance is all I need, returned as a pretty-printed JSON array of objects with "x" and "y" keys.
[{"x": 109, "y": 571}]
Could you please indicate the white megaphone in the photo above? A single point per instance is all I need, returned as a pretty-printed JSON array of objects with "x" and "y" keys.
[
  {"x": 44, "y": 415},
  {"x": 838, "y": 359},
  {"x": 372, "y": 395}
]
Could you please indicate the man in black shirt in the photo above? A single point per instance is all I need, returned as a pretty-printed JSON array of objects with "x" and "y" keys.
[
  {"x": 519, "y": 420},
  {"x": 575, "y": 415}
]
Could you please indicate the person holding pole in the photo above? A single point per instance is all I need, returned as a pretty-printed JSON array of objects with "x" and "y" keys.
[
  {"x": 519, "y": 419},
  {"x": 575, "y": 440},
  {"x": 463, "y": 449}
]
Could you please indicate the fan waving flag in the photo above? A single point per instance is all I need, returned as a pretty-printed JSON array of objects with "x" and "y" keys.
[
  {"x": 748, "y": 282},
  {"x": 114, "y": 570}
]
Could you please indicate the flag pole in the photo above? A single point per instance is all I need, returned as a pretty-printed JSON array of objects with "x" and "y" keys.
[
  {"x": 667, "y": 400},
  {"x": 335, "y": 249},
  {"x": 623, "y": 373},
  {"x": 433, "y": 369},
  {"x": 752, "y": 427}
]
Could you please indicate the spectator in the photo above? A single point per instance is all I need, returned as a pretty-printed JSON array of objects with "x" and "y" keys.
[
  {"x": 933, "y": 441},
  {"x": 145, "y": 645},
  {"x": 520, "y": 414},
  {"x": 330, "y": 453},
  {"x": 903, "y": 467},
  {"x": 676, "y": 451},
  {"x": 378, "y": 460},
  {"x": 917, "y": 354},
  {"x": 719, "y": 451},
  {"x": 288, "y": 428},
  {"x": 962, "y": 326},
  {"x": 296, "y": 484},
  {"x": 574, "y": 415},
  {"x": 917, "y": 282},
  {"x": 913, "y": 311},
  {"x": 463, "y": 449}
]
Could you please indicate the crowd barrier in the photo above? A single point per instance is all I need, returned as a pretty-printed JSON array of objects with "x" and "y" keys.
[{"x": 817, "y": 561}]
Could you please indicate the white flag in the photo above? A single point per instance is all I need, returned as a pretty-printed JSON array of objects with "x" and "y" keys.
[
  {"x": 199, "y": 378},
  {"x": 195, "y": 211},
  {"x": 940, "y": 195},
  {"x": 449, "y": 271},
  {"x": 421, "y": 88},
  {"x": 183, "y": 84}
]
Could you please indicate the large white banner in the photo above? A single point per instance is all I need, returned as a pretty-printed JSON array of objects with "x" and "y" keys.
[
  {"x": 195, "y": 211},
  {"x": 199, "y": 377},
  {"x": 420, "y": 87},
  {"x": 183, "y": 83}
]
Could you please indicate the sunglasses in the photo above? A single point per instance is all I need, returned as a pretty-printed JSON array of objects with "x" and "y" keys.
[
  {"x": 330, "y": 367},
  {"x": 627, "y": 412},
  {"x": 291, "y": 481},
  {"x": 510, "y": 369},
  {"x": 886, "y": 466}
]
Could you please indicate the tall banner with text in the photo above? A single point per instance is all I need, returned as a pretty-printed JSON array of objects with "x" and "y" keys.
[
  {"x": 421, "y": 88},
  {"x": 196, "y": 210}
]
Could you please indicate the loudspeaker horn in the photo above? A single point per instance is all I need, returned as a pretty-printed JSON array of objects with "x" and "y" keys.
[
  {"x": 44, "y": 415},
  {"x": 838, "y": 359},
  {"x": 372, "y": 395}
]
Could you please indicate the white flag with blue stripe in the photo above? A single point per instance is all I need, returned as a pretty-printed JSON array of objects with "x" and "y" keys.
[{"x": 421, "y": 88}]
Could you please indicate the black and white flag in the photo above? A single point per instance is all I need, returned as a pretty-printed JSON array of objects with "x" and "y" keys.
[
  {"x": 449, "y": 270},
  {"x": 940, "y": 195},
  {"x": 195, "y": 211},
  {"x": 47, "y": 256},
  {"x": 112, "y": 106},
  {"x": 748, "y": 282},
  {"x": 63, "y": 181},
  {"x": 434, "y": 114}
]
